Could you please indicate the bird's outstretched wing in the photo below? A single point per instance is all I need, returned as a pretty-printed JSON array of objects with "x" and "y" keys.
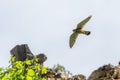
[
  {"x": 82, "y": 23},
  {"x": 72, "y": 40}
]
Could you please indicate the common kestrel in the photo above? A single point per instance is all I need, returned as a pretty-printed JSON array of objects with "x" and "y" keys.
[{"x": 79, "y": 30}]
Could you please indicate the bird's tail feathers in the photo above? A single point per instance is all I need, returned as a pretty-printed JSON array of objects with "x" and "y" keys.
[{"x": 87, "y": 32}]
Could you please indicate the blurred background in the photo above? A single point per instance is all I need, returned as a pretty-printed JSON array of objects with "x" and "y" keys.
[{"x": 46, "y": 25}]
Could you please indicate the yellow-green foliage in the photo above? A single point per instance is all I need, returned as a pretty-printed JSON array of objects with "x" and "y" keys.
[{"x": 23, "y": 70}]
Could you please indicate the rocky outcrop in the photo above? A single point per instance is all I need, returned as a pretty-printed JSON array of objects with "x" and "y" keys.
[
  {"x": 106, "y": 72},
  {"x": 22, "y": 52},
  {"x": 77, "y": 77},
  {"x": 53, "y": 75}
]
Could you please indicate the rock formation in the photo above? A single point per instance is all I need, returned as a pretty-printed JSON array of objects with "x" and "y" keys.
[
  {"x": 106, "y": 72},
  {"x": 22, "y": 52}
]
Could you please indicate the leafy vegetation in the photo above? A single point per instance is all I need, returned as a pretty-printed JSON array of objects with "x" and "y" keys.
[
  {"x": 62, "y": 69},
  {"x": 23, "y": 70}
]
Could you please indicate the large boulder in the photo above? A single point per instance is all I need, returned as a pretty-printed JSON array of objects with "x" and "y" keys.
[
  {"x": 22, "y": 52},
  {"x": 106, "y": 72}
]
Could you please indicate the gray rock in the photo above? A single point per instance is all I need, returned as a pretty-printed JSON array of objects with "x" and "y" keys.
[
  {"x": 42, "y": 58},
  {"x": 21, "y": 52}
]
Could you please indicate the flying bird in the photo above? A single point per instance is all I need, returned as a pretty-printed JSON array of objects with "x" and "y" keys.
[{"x": 79, "y": 30}]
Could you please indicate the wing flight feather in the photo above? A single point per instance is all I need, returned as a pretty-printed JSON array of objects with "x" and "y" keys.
[
  {"x": 73, "y": 39},
  {"x": 82, "y": 23}
]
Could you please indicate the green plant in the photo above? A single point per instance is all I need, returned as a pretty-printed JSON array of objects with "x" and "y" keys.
[
  {"x": 23, "y": 70},
  {"x": 62, "y": 69}
]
